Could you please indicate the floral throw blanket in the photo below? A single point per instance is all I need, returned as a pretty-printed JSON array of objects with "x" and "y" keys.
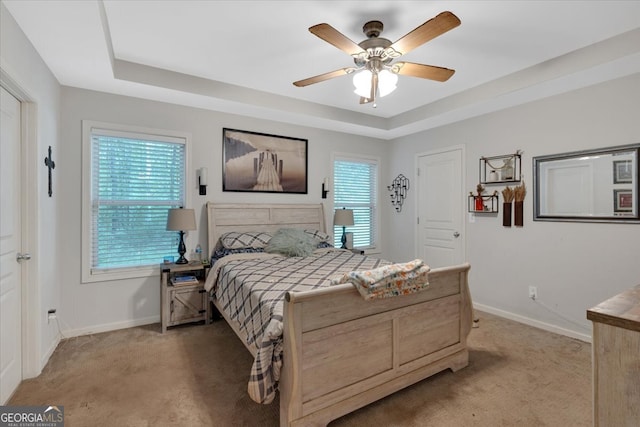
[{"x": 389, "y": 280}]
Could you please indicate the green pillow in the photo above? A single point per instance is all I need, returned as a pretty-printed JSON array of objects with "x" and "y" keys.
[{"x": 291, "y": 242}]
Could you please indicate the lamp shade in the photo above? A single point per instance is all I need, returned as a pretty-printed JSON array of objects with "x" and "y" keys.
[
  {"x": 362, "y": 82},
  {"x": 386, "y": 82},
  {"x": 181, "y": 220},
  {"x": 364, "y": 79},
  {"x": 343, "y": 217}
]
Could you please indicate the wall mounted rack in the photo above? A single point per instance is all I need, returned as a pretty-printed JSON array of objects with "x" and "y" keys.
[
  {"x": 501, "y": 169},
  {"x": 483, "y": 204}
]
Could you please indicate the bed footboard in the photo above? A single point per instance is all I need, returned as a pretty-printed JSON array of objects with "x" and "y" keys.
[{"x": 342, "y": 352}]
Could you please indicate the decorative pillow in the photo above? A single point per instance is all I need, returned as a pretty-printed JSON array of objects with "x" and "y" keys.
[
  {"x": 223, "y": 252},
  {"x": 291, "y": 242},
  {"x": 248, "y": 239},
  {"x": 319, "y": 235}
]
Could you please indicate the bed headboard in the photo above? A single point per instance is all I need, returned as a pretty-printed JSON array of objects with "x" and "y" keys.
[{"x": 223, "y": 217}]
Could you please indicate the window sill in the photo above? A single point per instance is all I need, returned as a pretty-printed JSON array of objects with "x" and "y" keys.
[{"x": 107, "y": 275}]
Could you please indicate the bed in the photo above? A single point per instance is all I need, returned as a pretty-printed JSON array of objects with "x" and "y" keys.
[{"x": 339, "y": 351}]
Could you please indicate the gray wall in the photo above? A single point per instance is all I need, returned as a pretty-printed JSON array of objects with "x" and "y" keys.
[
  {"x": 99, "y": 306},
  {"x": 574, "y": 265},
  {"x": 25, "y": 74}
]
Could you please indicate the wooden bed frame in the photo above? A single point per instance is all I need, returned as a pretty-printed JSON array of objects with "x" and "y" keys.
[{"x": 342, "y": 352}]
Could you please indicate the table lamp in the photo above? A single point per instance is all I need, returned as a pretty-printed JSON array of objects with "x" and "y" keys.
[
  {"x": 343, "y": 217},
  {"x": 181, "y": 220}
]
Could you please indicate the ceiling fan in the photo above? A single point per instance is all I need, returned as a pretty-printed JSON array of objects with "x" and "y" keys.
[{"x": 375, "y": 72}]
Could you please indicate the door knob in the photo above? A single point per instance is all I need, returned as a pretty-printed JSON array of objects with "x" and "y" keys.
[
  {"x": 23, "y": 257},
  {"x": 456, "y": 234}
]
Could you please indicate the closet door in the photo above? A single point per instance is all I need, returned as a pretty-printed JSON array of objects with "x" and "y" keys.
[{"x": 10, "y": 247}]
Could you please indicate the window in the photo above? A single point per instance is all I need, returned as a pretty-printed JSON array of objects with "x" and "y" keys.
[
  {"x": 355, "y": 183},
  {"x": 132, "y": 178}
]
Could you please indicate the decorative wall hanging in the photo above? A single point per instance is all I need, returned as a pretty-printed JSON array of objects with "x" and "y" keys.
[
  {"x": 399, "y": 188},
  {"x": 507, "y": 196},
  {"x": 48, "y": 161},
  {"x": 622, "y": 201},
  {"x": 258, "y": 162},
  {"x": 501, "y": 169},
  {"x": 519, "y": 192},
  {"x": 480, "y": 203},
  {"x": 622, "y": 172}
]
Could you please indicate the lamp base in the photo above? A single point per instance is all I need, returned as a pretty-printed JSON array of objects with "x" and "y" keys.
[
  {"x": 182, "y": 249},
  {"x": 344, "y": 238}
]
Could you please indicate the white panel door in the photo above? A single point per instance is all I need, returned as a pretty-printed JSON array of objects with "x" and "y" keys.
[
  {"x": 10, "y": 245},
  {"x": 440, "y": 208}
]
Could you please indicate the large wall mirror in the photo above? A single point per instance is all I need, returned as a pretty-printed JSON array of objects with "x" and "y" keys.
[{"x": 591, "y": 186}]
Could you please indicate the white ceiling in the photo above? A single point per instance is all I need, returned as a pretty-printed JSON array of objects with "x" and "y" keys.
[{"x": 242, "y": 56}]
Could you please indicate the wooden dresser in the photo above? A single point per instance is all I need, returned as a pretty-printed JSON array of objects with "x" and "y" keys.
[{"x": 616, "y": 360}]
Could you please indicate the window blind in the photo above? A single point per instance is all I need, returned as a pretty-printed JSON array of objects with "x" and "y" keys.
[
  {"x": 354, "y": 187},
  {"x": 135, "y": 180}
]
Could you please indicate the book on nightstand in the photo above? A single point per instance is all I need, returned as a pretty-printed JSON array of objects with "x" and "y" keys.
[{"x": 184, "y": 280}]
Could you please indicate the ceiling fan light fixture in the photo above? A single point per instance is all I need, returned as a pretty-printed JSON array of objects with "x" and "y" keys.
[
  {"x": 386, "y": 82},
  {"x": 375, "y": 75},
  {"x": 362, "y": 82}
]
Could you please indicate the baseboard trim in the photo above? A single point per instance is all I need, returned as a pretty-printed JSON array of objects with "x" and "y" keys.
[
  {"x": 532, "y": 322},
  {"x": 70, "y": 333},
  {"x": 107, "y": 327},
  {"x": 45, "y": 357}
]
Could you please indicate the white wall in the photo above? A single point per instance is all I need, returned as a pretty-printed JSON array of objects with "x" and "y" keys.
[
  {"x": 94, "y": 307},
  {"x": 574, "y": 265},
  {"x": 26, "y": 74}
]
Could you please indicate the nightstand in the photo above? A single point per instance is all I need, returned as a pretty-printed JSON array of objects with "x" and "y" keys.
[{"x": 185, "y": 302}]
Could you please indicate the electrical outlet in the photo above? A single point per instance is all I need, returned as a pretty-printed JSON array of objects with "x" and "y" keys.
[{"x": 533, "y": 292}]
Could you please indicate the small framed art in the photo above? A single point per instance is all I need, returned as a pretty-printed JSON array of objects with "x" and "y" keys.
[
  {"x": 622, "y": 201},
  {"x": 622, "y": 172}
]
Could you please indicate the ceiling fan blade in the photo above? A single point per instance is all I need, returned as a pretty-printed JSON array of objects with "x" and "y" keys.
[
  {"x": 323, "y": 77},
  {"x": 329, "y": 34},
  {"x": 423, "y": 71},
  {"x": 431, "y": 29}
]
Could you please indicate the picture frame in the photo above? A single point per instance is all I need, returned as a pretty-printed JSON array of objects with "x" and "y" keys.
[
  {"x": 263, "y": 163},
  {"x": 622, "y": 172},
  {"x": 622, "y": 201}
]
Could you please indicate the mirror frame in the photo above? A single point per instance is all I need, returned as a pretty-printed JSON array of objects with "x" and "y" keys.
[{"x": 538, "y": 161}]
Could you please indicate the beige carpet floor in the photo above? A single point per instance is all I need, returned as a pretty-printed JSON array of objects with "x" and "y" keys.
[{"x": 196, "y": 376}]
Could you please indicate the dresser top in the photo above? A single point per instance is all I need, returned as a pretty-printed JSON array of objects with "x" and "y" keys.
[{"x": 622, "y": 310}]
